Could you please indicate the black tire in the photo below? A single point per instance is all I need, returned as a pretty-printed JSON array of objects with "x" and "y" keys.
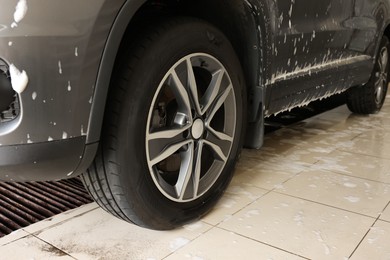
[
  {"x": 121, "y": 179},
  {"x": 369, "y": 98}
]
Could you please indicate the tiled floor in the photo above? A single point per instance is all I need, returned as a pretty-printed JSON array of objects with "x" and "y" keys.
[{"x": 317, "y": 190}]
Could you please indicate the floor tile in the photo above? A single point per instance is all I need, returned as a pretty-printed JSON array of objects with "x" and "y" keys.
[
  {"x": 345, "y": 192},
  {"x": 273, "y": 161},
  {"x": 332, "y": 123},
  {"x": 305, "y": 228},
  {"x": 267, "y": 170},
  {"x": 262, "y": 178},
  {"x": 386, "y": 214},
  {"x": 288, "y": 146},
  {"x": 364, "y": 146},
  {"x": 16, "y": 235},
  {"x": 383, "y": 114},
  {"x": 270, "y": 171},
  {"x": 31, "y": 248},
  {"x": 312, "y": 136},
  {"x": 376, "y": 244},
  {"x": 228, "y": 245},
  {"x": 235, "y": 198},
  {"x": 381, "y": 135},
  {"x": 97, "y": 234},
  {"x": 47, "y": 223},
  {"x": 279, "y": 155},
  {"x": 362, "y": 166},
  {"x": 340, "y": 110}
]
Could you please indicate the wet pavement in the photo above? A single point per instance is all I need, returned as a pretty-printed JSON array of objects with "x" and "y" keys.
[{"x": 318, "y": 189}]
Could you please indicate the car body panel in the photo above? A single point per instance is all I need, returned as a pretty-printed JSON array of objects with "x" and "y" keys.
[
  {"x": 61, "y": 52},
  {"x": 317, "y": 59}
]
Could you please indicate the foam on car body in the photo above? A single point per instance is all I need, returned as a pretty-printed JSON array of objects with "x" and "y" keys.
[{"x": 19, "y": 80}]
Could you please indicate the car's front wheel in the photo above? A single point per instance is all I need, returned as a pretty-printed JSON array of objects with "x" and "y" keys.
[{"x": 173, "y": 127}]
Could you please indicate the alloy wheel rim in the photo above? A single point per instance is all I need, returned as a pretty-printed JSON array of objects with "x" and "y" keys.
[
  {"x": 381, "y": 75},
  {"x": 190, "y": 127}
]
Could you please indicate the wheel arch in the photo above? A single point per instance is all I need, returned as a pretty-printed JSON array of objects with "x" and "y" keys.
[
  {"x": 246, "y": 25},
  {"x": 107, "y": 62},
  {"x": 387, "y": 30},
  {"x": 382, "y": 14}
]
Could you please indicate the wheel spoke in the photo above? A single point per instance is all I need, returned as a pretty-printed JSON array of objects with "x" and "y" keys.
[
  {"x": 217, "y": 150},
  {"x": 379, "y": 81},
  {"x": 186, "y": 167},
  {"x": 380, "y": 64},
  {"x": 219, "y": 102},
  {"x": 220, "y": 135},
  {"x": 193, "y": 86},
  {"x": 181, "y": 95},
  {"x": 197, "y": 168},
  {"x": 168, "y": 151},
  {"x": 384, "y": 60},
  {"x": 168, "y": 133},
  {"x": 378, "y": 94},
  {"x": 212, "y": 91},
  {"x": 160, "y": 141}
]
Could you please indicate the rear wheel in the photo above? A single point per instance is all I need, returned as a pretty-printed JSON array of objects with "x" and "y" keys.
[
  {"x": 173, "y": 128},
  {"x": 369, "y": 98}
]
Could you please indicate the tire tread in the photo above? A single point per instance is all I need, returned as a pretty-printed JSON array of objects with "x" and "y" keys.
[
  {"x": 361, "y": 99},
  {"x": 101, "y": 179}
]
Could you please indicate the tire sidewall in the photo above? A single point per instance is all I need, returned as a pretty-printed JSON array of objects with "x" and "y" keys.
[
  {"x": 384, "y": 43},
  {"x": 362, "y": 99},
  {"x": 191, "y": 36}
]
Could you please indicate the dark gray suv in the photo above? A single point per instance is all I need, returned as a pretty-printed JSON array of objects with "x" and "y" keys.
[{"x": 151, "y": 101}]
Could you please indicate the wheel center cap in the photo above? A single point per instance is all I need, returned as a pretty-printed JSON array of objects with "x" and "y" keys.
[{"x": 197, "y": 129}]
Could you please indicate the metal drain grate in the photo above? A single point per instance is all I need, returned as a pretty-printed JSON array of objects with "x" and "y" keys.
[{"x": 22, "y": 204}]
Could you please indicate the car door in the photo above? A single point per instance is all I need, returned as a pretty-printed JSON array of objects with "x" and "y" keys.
[{"x": 310, "y": 36}]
